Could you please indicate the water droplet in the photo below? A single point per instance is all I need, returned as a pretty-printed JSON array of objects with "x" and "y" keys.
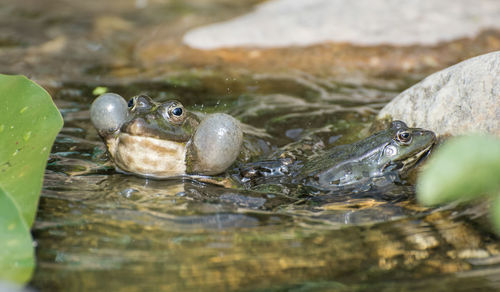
[
  {"x": 27, "y": 135},
  {"x": 23, "y": 109},
  {"x": 1, "y": 128}
]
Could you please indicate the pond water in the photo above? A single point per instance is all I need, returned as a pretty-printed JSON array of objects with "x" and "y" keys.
[{"x": 99, "y": 230}]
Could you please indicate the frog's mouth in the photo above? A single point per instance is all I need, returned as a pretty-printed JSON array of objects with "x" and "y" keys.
[
  {"x": 138, "y": 127},
  {"x": 416, "y": 158}
]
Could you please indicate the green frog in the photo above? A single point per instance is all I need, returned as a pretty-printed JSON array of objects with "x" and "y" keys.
[
  {"x": 162, "y": 140},
  {"x": 390, "y": 153}
]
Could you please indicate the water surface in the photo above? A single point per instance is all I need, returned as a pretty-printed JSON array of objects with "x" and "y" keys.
[{"x": 98, "y": 229}]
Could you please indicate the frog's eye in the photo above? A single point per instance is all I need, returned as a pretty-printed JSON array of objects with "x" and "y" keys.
[
  {"x": 404, "y": 137},
  {"x": 176, "y": 113}
]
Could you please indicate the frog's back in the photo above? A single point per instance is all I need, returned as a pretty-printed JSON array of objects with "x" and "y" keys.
[{"x": 386, "y": 153}]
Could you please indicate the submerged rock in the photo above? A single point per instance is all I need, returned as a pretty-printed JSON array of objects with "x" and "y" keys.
[
  {"x": 461, "y": 99},
  {"x": 282, "y": 23}
]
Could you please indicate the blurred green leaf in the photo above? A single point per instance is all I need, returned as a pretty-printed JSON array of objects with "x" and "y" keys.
[
  {"x": 16, "y": 248},
  {"x": 463, "y": 168},
  {"x": 29, "y": 123}
]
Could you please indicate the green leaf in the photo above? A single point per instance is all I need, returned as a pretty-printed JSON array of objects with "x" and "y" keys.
[
  {"x": 29, "y": 123},
  {"x": 464, "y": 168},
  {"x": 16, "y": 248}
]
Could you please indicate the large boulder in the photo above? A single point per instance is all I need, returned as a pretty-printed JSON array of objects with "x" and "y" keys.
[
  {"x": 282, "y": 23},
  {"x": 461, "y": 99}
]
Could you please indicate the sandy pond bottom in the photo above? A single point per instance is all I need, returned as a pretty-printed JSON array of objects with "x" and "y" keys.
[{"x": 100, "y": 230}]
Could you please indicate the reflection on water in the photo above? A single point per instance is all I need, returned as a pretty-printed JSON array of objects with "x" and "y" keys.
[{"x": 97, "y": 229}]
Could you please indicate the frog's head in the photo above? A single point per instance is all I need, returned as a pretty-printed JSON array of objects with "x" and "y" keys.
[
  {"x": 404, "y": 148},
  {"x": 167, "y": 121},
  {"x": 161, "y": 139}
]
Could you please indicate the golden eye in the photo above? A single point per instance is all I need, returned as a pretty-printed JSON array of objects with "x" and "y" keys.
[
  {"x": 403, "y": 136},
  {"x": 176, "y": 113}
]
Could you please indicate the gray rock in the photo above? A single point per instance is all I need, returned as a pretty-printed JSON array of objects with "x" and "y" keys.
[
  {"x": 365, "y": 22},
  {"x": 461, "y": 99}
]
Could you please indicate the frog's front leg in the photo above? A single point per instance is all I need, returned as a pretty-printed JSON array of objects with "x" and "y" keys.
[{"x": 266, "y": 168}]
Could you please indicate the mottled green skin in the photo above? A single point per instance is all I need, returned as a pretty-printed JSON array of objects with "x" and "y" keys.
[
  {"x": 390, "y": 152},
  {"x": 375, "y": 156},
  {"x": 151, "y": 119}
]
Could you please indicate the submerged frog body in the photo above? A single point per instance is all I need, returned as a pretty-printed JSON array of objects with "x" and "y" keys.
[
  {"x": 390, "y": 153},
  {"x": 164, "y": 139}
]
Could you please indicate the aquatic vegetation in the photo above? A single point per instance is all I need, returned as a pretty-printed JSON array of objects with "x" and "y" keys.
[
  {"x": 29, "y": 122},
  {"x": 465, "y": 168}
]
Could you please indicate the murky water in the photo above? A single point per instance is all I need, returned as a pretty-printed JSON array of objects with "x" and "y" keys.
[{"x": 97, "y": 229}]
